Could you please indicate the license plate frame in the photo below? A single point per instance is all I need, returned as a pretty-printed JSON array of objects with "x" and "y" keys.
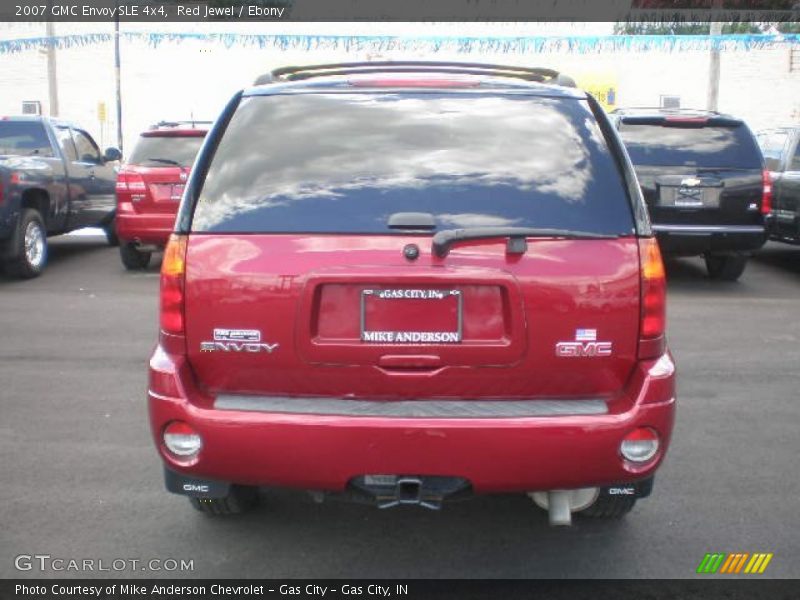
[{"x": 408, "y": 336}]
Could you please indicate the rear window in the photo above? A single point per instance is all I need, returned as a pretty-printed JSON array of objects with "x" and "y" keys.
[
  {"x": 179, "y": 149},
  {"x": 24, "y": 138},
  {"x": 344, "y": 163},
  {"x": 710, "y": 146}
]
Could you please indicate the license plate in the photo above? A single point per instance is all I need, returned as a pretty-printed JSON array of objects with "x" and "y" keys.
[
  {"x": 688, "y": 197},
  {"x": 411, "y": 316},
  {"x": 691, "y": 197},
  {"x": 166, "y": 192}
]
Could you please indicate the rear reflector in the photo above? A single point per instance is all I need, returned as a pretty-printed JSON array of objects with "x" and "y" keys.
[
  {"x": 173, "y": 268},
  {"x": 766, "y": 198},
  {"x": 181, "y": 440},
  {"x": 640, "y": 445},
  {"x": 654, "y": 298}
]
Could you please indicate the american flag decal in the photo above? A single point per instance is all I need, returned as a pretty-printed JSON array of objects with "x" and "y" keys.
[{"x": 586, "y": 335}]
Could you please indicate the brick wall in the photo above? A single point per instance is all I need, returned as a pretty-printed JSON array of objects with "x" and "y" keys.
[{"x": 176, "y": 80}]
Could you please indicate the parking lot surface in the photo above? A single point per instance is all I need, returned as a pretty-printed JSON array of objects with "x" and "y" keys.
[{"x": 81, "y": 479}]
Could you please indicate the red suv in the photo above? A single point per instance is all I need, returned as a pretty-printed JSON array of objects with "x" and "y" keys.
[
  {"x": 407, "y": 283},
  {"x": 150, "y": 186}
]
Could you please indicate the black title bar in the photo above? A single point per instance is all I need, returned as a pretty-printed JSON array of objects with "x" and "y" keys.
[
  {"x": 163, "y": 11},
  {"x": 412, "y": 589}
]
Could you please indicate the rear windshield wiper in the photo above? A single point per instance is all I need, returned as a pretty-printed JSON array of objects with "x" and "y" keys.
[
  {"x": 166, "y": 161},
  {"x": 517, "y": 243}
]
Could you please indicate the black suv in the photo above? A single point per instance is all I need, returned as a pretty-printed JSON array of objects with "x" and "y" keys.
[
  {"x": 703, "y": 178},
  {"x": 781, "y": 149}
]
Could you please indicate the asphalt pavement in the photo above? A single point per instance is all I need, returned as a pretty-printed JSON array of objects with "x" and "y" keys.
[{"x": 80, "y": 478}]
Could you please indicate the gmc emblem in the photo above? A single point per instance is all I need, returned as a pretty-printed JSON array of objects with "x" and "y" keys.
[
  {"x": 576, "y": 349},
  {"x": 195, "y": 487}
]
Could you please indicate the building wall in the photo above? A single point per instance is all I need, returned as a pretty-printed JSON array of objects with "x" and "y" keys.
[{"x": 181, "y": 80}]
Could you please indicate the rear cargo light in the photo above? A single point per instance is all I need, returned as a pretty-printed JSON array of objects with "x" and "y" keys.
[
  {"x": 640, "y": 445},
  {"x": 766, "y": 198},
  {"x": 415, "y": 83},
  {"x": 181, "y": 440},
  {"x": 172, "y": 285},
  {"x": 687, "y": 120},
  {"x": 654, "y": 300}
]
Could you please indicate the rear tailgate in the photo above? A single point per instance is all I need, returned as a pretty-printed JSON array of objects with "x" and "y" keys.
[
  {"x": 302, "y": 307},
  {"x": 298, "y": 283},
  {"x": 688, "y": 195},
  {"x": 157, "y": 170}
]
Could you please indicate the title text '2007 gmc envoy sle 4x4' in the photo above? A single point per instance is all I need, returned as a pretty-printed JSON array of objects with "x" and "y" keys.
[{"x": 409, "y": 282}]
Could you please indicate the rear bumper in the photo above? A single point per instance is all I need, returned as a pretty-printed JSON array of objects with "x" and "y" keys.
[
  {"x": 699, "y": 239},
  {"x": 325, "y": 452},
  {"x": 145, "y": 228}
]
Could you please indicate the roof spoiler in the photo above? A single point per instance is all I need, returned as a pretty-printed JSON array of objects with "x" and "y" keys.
[
  {"x": 300, "y": 73},
  {"x": 193, "y": 123}
]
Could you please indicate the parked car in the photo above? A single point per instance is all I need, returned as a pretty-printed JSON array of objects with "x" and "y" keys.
[
  {"x": 704, "y": 182},
  {"x": 53, "y": 179},
  {"x": 409, "y": 282},
  {"x": 781, "y": 148},
  {"x": 150, "y": 186}
]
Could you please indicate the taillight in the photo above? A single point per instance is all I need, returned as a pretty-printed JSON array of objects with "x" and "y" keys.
[
  {"x": 766, "y": 198},
  {"x": 173, "y": 268},
  {"x": 654, "y": 300},
  {"x": 128, "y": 181}
]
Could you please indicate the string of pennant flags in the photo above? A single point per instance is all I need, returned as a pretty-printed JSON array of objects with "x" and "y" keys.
[{"x": 494, "y": 45}]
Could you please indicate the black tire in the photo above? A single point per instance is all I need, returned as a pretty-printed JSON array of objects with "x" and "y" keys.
[
  {"x": 110, "y": 229},
  {"x": 30, "y": 246},
  {"x": 725, "y": 268},
  {"x": 133, "y": 258},
  {"x": 240, "y": 500},
  {"x": 609, "y": 507}
]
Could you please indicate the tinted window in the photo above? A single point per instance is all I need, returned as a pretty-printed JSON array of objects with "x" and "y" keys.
[
  {"x": 87, "y": 149},
  {"x": 346, "y": 162},
  {"x": 772, "y": 145},
  {"x": 732, "y": 147},
  {"x": 65, "y": 142},
  {"x": 795, "y": 164},
  {"x": 181, "y": 149},
  {"x": 24, "y": 138}
]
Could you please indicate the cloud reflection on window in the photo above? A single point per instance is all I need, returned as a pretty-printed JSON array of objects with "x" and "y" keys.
[{"x": 391, "y": 152}]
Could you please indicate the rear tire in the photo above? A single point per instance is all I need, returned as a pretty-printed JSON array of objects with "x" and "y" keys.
[
  {"x": 608, "y": 507},
  {"x": 31, "y": 246},
  {"x": 133, "y": 258},
  {"x": 240, "y": 500},
  {"x": 725, "y": 268}
]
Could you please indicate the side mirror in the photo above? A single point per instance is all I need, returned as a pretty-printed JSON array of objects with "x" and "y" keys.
[{"x": 112, "y": 154}]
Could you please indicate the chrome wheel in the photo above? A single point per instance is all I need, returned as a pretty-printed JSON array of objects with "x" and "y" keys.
[{"x": 34, "y": 244}]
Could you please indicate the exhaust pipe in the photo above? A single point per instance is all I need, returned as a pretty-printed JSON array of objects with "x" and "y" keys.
[
  {"x": 559, "y": 511},
  {"x": 560, "y": 504}
]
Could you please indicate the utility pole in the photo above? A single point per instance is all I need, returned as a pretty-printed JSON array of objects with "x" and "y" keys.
[
  {"x": 715, "y": 29},
  {"x": 52, "y": 74},
  {"x": 118, "y": 78}
]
